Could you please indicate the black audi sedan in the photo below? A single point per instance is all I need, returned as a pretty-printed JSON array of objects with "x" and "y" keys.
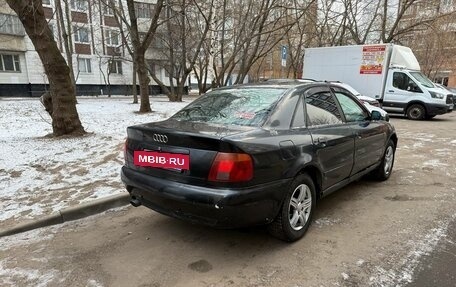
[{"x": 257, "y": 154}]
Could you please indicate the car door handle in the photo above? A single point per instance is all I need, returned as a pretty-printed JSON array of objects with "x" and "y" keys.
[
  {"x": 391, "y": 91},
  {"x": 321, "y": 141}
]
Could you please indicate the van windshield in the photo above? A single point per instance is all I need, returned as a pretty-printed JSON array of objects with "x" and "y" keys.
[{"x": 422, "y": 79}]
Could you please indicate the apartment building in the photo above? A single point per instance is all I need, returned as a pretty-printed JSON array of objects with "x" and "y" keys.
[
  {"x": 101, "y": 63},
  {"x": 434, "y": 44}
]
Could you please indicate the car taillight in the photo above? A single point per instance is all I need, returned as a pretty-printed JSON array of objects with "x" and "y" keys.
[{"x": 231, "y": 167}]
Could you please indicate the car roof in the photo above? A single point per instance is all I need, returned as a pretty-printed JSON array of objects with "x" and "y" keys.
[{"x": 276, "y": 83}]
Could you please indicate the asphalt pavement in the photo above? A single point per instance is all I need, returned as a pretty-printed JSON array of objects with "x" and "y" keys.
[{"x": 439, "y": 267}]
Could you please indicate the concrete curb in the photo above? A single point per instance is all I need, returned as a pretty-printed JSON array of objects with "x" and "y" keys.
[{"x": 71, "y": 213}]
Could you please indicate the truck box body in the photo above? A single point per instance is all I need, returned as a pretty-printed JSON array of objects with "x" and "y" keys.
[{"x": 375, "y": 71}]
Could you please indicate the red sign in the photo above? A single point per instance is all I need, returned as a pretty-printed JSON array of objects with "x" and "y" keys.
[
  {"x": 161, "y": 159},
  {"x": 373, "y": 57}
]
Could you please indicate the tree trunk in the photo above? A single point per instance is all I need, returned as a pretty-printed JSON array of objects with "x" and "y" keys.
[
  {"x": 144, "y": 80},
  {"x": 65, "y": 119},
  {"x": 134, "y": 89},
  {"x": 67, "y": 41}
]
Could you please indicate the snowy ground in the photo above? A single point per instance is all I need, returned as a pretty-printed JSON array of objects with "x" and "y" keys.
[{"x": 40, "y": 175}]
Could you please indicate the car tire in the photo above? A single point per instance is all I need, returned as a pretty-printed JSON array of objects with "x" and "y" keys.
[
  {"x": 295, "y": 215},
  {"x": 384, "y": 170},
  {"x": 416, "y": 112}
]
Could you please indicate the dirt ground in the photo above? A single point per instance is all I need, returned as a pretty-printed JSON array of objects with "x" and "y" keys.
[{"x": 367, "y": 234}]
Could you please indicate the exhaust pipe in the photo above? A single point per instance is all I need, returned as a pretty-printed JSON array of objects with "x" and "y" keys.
[{"x": 134, "y": 201}]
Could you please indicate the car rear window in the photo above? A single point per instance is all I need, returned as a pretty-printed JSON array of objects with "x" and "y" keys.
[{"x": 245, "y": 107}]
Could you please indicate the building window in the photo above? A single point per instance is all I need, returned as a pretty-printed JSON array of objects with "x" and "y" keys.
[
  {"x": 9, "y": 63},
  {"x": 79, "y": 5},
  {"x": 81, "y": 34},
  {"x": 107, "y": 10},
  {"x": 112, "y": 38},
  {"x": 143, "y": 10},
  {"x": 442, "y": 80},
  {"x": 51, "y": 27},
  {"x": 115, "y": 67},
  {"x": 152, "y": 67},
  {"x": 47, "y": 2},
  {"x": 10, "y": 24},
  {"x": 84, "y": 65},
  {"x": 158, "y": 43}
]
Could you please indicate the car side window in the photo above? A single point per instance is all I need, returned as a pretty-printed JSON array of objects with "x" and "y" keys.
[
  {"x": 299, "y": 120},
  {"x": 403, "y": 82},
  {"x": 321, "y": 109},
  {"x": 282, "y": 118},
  {"x": 352, "y": 110}
]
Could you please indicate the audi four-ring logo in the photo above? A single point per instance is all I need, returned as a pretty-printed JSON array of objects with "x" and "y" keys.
[{"x": 160, "y": 138}]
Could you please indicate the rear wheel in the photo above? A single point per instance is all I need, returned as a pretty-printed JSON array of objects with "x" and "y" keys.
[
  {"x": 385, "y": 168},
  {"x": 295, "y": 215},
  {"x": 416, "y": 112}
]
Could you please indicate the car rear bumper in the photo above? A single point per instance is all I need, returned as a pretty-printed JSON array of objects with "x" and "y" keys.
[{"x": 218, "y": 207}]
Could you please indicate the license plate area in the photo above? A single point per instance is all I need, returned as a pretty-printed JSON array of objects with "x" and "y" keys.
[{"x": 166, "y": 160}]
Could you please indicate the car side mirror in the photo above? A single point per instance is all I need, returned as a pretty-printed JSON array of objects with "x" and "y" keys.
[{"x": 376, "y": 115}]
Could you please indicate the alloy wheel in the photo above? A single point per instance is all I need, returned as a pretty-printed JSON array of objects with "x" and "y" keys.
[
  {"x": 389, "y": 157},
  {"x": 299, "y": 207}
]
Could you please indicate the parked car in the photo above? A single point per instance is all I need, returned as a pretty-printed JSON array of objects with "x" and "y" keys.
[
  {"x": 258, "y": 154},
  {"x": 370, "y": 103},
  {"x": 364, "y": 99},
  {"x": 449, "y": 90}
]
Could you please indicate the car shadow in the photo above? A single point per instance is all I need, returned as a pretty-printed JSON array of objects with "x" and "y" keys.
[{"x": 250, "y": 240}]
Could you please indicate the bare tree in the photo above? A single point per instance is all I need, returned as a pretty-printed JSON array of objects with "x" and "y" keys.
[
  {"x": 433, "y": 43},
  {"x": 244, "y": 32},
  {"x": 137, "y": 42},
  {"x": 301, "y": 35},
  {"x": 184, "y": 35},
  {"x": 346, "y": 22},
  {"x": 65, "y": 119}
]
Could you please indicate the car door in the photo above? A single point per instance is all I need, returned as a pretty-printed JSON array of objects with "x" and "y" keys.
[
  {"x": 370, "y": 136},
  {"x": 332, "y": 139},
  {"x": 400, "y": 90}
]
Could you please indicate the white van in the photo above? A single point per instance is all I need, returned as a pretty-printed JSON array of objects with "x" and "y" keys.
[{"x": 387, "y": 72}]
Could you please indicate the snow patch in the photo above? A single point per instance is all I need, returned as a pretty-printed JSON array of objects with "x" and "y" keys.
[
  {"x": 403, "y": 274},
  {"x": 434, "y": 163},
  {"x": 40, "y": 175},
  {"x": 93, "y": 283},
  {"x": 27, "y": 238},
  {"x": 326, "y": 221},
  {"x": 10, "y": 276}
]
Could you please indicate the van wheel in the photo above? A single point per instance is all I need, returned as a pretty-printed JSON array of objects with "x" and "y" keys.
[
  {"x": 416, "y": 112},
  {"x": 295, "y": 215},
  {"x": 384, "y": 170}
]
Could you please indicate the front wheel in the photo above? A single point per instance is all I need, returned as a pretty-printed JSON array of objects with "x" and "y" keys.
[
  {"x": 384, "y": 170},
  {"x": 295, "y": 215},
  {"x": 416, "y": 112}
]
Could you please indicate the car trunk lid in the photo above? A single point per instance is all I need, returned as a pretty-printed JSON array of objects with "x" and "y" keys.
[{"x": 193, "y": 141}]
